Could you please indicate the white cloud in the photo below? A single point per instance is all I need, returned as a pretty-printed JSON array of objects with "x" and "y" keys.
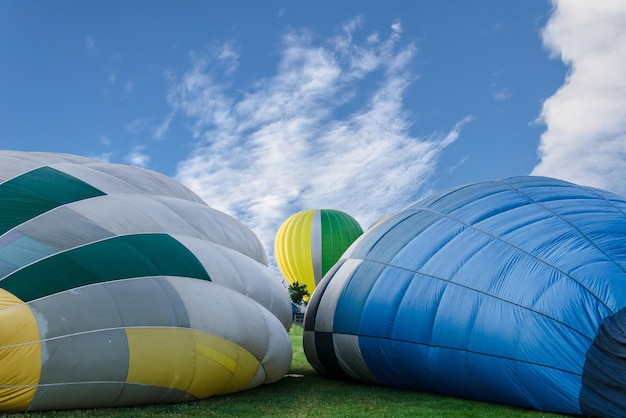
[
  {"x": 105, "y": 140},
  {"x": 110, "y": 75},
  {"x": 128, "y": 87},
  {"x": 289, "y": 143},
  {"x": 137, "y": 157},
  {"x": 585, "y": 137},
  {"x": 90, "y": 45},
  {"x": 500, "y": 93}
]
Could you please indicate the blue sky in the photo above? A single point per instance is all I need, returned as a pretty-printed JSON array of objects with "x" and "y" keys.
[{"x": 268, "y": 108}]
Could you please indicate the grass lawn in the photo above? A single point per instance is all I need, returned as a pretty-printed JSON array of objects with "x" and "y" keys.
[{"x": 307, "y": 394}]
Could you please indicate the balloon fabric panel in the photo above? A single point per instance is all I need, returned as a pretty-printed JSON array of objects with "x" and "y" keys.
[
  {"x": 107, "y": 290},
  {"x": 508, "y": 291},
  {"x": 120, "y": 257},
  {"x": 36, "y": 192}
]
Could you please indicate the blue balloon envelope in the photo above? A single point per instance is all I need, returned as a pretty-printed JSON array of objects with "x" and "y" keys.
[{"x": 509, "y": 291}]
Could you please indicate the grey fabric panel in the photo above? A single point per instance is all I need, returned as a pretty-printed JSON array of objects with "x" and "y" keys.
[
  {"x": 74, "y": 311},
  {"x": 76, "y": 395},
  {"x": 324, "y": 320},
  {"x": 64, "y": 228},
  {"x": 241, "y": 273},
  {"x": 349, "y": 355},
  {"x": 220, "y": 311},
  {"x": 148, "y": 302},
  {"x": 316, "y": 245},
  {"x": 136, "y": 394},
  {"x": 223, "y": 312},
  {"x": 100, "y": 356}
]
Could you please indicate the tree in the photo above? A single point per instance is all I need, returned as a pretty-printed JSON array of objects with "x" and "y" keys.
[{"x": 297, "y": 292}]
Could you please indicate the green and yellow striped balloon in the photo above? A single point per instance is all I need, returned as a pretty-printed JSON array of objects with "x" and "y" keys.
[{"x": 310, "y": 242}]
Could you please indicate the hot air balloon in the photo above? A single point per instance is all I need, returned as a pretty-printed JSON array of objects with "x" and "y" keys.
[
  {"x": 509, "y": 291},
  {"x": 119, "y": 286},
  {"x": 309, "y": 242}
]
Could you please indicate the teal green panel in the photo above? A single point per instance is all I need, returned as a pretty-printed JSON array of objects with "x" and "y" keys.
[
  {"x": 116, "y": 258},
  {"x": 339, "y": 231},
  {"x": 37, "y": 192}
]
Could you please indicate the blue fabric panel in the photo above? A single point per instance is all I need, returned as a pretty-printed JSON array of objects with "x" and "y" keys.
[
  {"x": 418, "y": 309},
  {"x": 417, "y": 252},
  {"x": 24, "y": 250},
  {"x": 475, "y": 376},
  {"x": 604, "y": 374},
  {"x": 354, "y": 297},
  {"x": 381, "y": 307},
  {"x": 383, "y": 243},
  {"x": 448, "y": 202},
  {"x": 505, "y": 291}
]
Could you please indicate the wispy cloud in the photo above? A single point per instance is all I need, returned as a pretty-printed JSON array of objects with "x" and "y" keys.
[
  {"x": 328, "y": 130},
  {"x": 128, "y": 87},
  {"x": 585, "y": 137},
  {"x": 137, "y": 157},
  {"x": 500, "y": 93},
  {"x": 110, "y": 75},
  {"x": 90, "y": 45}
]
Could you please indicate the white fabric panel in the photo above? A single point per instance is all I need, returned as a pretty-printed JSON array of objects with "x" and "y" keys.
[
  {"x": 218, "y": 227},
  {"x": 147, "y": 181},
  {"x": 106, "y": 182},
  {"x": 238, "y": 272},
  {"x": 14, "y": 163},
  {"x": 132, "y": 213},
  {"x": 278, "y": 349},
  {"x": 326, "y": 308},
  {"x": 316, "y": 245},
  {"x": 223, "y": 312}
]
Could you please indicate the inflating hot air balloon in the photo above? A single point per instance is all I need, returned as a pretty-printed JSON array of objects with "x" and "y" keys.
[
  {"x": 119, "y": 286},
  {"x": 308, "y": 243},
  {"x": 510, "y": 291}
]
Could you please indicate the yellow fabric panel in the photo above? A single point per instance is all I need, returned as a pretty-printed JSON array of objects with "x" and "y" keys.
[
  {"x": 292, "y": 248},
  {"x": 161, "y": 357},
  {"x": 201, "y": 364},
  {"x": 20, "y": 354},
  {"x": 223, "y": 366}
]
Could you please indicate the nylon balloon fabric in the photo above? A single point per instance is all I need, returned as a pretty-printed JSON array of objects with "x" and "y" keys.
[
  {"x": 510, "y": 291},
  {"x": 119, "y": 286},
  {"x": 309, "y": 243}
]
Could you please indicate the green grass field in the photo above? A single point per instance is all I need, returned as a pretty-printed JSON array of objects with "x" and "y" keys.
[{"x": 304, "y": 393}]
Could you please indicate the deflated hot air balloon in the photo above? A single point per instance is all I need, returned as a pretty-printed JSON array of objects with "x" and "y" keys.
[
  {"x": 510, "y": 291},
  {"x": 308, "y": 243},
  {"x": 119, "y": 286}
]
